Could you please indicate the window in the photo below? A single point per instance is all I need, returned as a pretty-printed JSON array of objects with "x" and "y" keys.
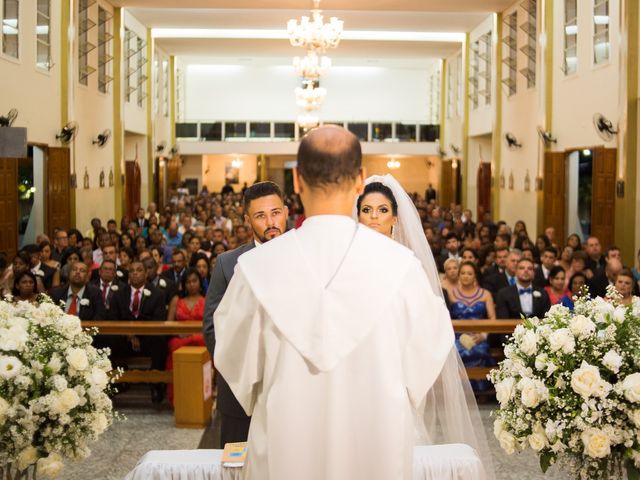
[
  {"x": 43, "y": 34},
  {"x": 486, "y": 43},
  {"x": 570, "y": 36},
  {"x": 10, "y": 27},
  {"x": 510, "y": 60},
  {"x": 84, "y": 46},
  {"x": 601, "y": 21},
  {"x": 156, "y": 85},
  {"x": 104, "y": 48},
  {"x": 459, "y": 92},
  {"x": 529, "y": 48},
  {"x": 165, "y": 88},
  {"x": 433, "y": 106},
  {"x": 140, "y": 68}
]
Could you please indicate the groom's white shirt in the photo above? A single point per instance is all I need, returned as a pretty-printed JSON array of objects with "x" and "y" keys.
[{"x": 329, "y": 335}]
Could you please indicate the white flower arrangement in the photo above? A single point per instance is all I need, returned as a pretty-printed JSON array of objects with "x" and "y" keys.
[
  {"x": 54, "y": 388},
  {"x": 569, "y": 389}
]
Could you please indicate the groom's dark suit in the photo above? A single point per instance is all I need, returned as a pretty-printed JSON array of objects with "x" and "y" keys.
[{"x": 234, "y": 420}]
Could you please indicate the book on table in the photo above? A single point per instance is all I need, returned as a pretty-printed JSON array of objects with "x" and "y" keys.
[{"x": 234, "y": 454}]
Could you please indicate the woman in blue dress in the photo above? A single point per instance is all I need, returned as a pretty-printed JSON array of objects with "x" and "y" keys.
[{"x": 468, "y": 301}]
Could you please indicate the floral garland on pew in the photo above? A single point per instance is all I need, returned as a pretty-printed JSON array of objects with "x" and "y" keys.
[
  {"x": 54, "y": 389},
  {"x": 569, "y": 388}
]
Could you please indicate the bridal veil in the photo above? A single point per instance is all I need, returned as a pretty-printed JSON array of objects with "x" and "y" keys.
[{"x": 450, "y": 413}]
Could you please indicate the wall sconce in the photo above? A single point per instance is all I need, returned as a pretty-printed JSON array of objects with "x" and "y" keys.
[
  {"x": 111, "y": 177},
  {"x": 454, "y": 163},
  {"x": 527, "y": 182},
  {"x": 511, "y": 180},
  {"x": 101, "y": 178},
  {"x": 393, "y": 164},
  {"x": 502, "y": 180},
  {"x": 86, "y": 178}
]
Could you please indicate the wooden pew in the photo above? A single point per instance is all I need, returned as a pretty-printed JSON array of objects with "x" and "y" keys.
[
  {"x": 144, "y": 327},
  {"x": 485, "y": 326}
]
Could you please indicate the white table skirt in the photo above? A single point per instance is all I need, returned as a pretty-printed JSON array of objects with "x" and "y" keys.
[{"x": 436, "y": 462}]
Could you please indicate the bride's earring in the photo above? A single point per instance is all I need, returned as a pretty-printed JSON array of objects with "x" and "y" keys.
[{"x": 392, "y": 230}]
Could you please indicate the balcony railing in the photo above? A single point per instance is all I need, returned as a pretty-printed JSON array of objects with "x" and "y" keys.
[{"x": 291, "y": 132}]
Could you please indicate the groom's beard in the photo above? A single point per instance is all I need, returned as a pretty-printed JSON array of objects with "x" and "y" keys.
[{"x": 273, "y": 232}]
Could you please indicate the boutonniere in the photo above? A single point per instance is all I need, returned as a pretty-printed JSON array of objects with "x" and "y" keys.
[
  {"x": 39, "y": 273},
  {"x": 84, "y": 302},
  {"x": 536, "y": 294},
  {"x": 162, "y": 283},
  {"x": 146, "y": 292},
  {"x": 119, "y": 273},
  {"x": 114, "y": 288}
]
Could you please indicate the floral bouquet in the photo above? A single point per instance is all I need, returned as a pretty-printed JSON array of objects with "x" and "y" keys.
[
  {"x": 53, "y": 390},
  {"x": 569, "y": 388}
]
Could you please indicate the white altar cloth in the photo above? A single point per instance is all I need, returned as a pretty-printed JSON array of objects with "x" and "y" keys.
[{"x": 435, "y": 462}]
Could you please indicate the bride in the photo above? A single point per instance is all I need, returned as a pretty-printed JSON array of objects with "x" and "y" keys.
[{"x": 450, "y": 414}]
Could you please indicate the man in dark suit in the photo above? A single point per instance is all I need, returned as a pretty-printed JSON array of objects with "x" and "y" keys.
[
  {"x": 165, "y": 285},
  {"x": 452, "y": 250},
  {"x": 141, "y": 301},
  {"x": 107, "y": 282},
  {"x": 38, "y": 268},
  {"x": 80, "y": 298},
  {"x": 140, "y": 221},
  {"x": 604, "y": 277},
  {"x": 266, "y": 213},
  {"x": 506, "y": 276},
  {"x": 179, "y": 262},
  {"x": 548, "y": 259},
  {"x": 110, "y": 253},
  {"x": 523, "y": 298},
  {"x": 430, "y": 193}
]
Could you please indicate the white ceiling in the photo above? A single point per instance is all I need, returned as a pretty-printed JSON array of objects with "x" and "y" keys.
[{"x": 370, "y": 15}]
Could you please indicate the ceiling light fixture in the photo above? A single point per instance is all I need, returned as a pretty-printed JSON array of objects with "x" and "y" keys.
[
  {"x": 236, "y": 163},
  {"x": 310, "y": 97},
  {"x": 393, "y": 164},
  {"x": 312, "y": 65},
  {"x": 312, "y": 33}
]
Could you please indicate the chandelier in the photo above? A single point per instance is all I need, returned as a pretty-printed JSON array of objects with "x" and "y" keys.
[
  {"x": 312, "y": 33},
  {"x": 312, "y": 65},
  {"x": 310, "y": 97},
  {"x": 307, "y": 121}
]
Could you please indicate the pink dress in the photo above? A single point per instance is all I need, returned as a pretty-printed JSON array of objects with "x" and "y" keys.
[{"x": 183, "y": 314}]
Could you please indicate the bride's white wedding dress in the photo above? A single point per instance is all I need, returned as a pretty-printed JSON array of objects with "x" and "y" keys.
[{"x": 450, "y": 414}]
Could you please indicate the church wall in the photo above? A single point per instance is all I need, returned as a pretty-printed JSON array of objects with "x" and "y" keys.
[
  {"x": 221, "y": 89},
  {"x": 592, "y": 89},
  {"x": 213, "y": 169},
  {"x": 521, "y": 113},
  {"x": 34, "y": 92},
  {"x": 94, "y": 114},
  {"x": 414, "y": 174}
]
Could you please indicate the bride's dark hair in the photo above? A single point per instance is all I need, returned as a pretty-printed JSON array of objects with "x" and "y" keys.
[{"x": 378, "y": 187}]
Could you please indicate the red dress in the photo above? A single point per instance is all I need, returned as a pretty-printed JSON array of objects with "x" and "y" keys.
[{"x": 184, "y": 313}]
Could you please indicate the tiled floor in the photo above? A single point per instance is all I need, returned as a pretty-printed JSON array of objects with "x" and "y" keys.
[{"x": 118, "y": 450}]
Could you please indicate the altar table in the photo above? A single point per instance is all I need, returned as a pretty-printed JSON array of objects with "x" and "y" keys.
[{"x": 435, "y": 462}]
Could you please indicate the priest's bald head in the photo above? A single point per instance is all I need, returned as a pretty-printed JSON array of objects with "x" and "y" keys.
[{"x": 329, "y": 175}]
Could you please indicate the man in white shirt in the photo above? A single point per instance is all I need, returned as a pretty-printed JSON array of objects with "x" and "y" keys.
[{"x": 330, "y": 335}]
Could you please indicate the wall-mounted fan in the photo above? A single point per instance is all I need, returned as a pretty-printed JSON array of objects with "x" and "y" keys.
[
  {"x": 161, "y": 146},
  {"x": 454, "y": 148},
  {"x": 546, "y": 137},
  {"x": 9, "y": 119},
  {"x": 174, "y": 150},
  {"x": 102, "y": 138},
  {"x": 512, "y": 141},
  {"x": 68, "y": 132},
  {"x": 604, "y": 127}
]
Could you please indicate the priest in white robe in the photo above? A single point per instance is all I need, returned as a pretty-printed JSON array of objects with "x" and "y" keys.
[{"x": 330, "y": 335}]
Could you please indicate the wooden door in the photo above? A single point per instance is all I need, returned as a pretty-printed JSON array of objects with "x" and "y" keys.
[
  {"x": 174, "y": 174},
  {"x": 446, "y": 193},
  {"x": 133, "y": 185},
  {"x": 603, "y": 195},
  {"x": 9, "y": 207},
  {"x": 58, "y": 189},
  {"x": 555, "y": 193},
  {"x": 484, "y": 189}
]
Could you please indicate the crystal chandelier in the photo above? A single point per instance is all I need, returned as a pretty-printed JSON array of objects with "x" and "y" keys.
[
  {"x": 310, "y": 97},
  {"x": 312, "y": 33},
  {"x": 312, "y": 65},
  {"x": 307, "y": 121}
]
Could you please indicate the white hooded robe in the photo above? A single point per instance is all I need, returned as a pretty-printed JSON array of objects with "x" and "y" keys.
[{"x": 330, "y": 336}]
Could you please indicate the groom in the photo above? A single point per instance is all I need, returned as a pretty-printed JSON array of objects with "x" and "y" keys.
[{"x": 330, "y": 334}]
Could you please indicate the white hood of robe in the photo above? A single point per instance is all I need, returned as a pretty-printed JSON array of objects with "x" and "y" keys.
[{"x": 317, "y": 319}]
